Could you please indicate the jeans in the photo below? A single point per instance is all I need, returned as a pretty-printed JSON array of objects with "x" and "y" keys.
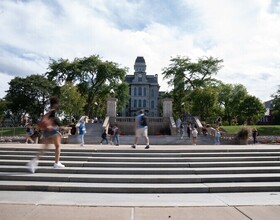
[{"x": 116, "y": 138}]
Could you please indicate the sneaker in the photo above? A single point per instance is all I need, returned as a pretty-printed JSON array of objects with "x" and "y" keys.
[
  {"x": 32, "y": 165},
  {"x": 58, "y": 165},
  {"x": 133, "y": 146},
  {"x": 147, "y": 147}
]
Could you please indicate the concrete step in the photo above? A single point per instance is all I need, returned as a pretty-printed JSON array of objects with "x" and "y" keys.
[
  {"x": 147, "y": 153},
  {"x": 114, "y": 178},
  {"x": 143, "y": 159},
  {"x": 86, "y": 163},
  {"x": 144, "y": 171},
  {"x": 140, "y": 187}
]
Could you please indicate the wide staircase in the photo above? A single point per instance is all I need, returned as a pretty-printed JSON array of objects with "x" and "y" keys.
[{"x": 144, "y": 171}]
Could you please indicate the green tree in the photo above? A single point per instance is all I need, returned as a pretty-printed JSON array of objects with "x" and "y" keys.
[
  {"x": 251, "y": 110},
  {"x": 205, "y": 103},
  {"x": 92, "y": 76},
  {"x": 3, "y": 110},
  {"x": 71, "y": 101},
  {"x": 230, "y": 98},
  {"x": 185, "y": 76},
  {"x": 28, "y": 96},
  {"x": 276, "y": 107}
]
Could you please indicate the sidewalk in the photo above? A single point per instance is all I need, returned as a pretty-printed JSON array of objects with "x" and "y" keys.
[
  {"x": 33, "y": 212},
  {"x": 60, "y": 206}
]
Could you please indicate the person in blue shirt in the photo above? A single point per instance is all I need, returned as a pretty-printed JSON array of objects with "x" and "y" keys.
[
  {"x": 141, "y": 129},
  {"x": 82, "y": 131}
]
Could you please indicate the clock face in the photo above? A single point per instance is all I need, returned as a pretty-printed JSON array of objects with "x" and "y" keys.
[{"x": 139, "y": 75}]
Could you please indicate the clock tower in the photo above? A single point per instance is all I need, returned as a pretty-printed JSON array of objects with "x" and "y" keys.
[{"x": 143, "y": 89}]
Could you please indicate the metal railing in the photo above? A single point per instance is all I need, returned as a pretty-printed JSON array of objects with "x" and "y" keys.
[{"x": 12, "y": 131}]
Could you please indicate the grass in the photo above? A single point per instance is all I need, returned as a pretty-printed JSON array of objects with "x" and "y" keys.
[
  {"x": 267, "y": 130},
  {"x": 5, "y": 132}
]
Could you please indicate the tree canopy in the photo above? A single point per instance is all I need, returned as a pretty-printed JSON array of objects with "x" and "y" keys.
[
  {"x": 276, "y": 106},
  {"x": 28, "y": 96},
  {"x": 93, "y": 77},
  {"x": 195, "y": 90}
]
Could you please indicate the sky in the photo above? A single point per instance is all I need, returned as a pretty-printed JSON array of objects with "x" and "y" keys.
[{"x": 245, "y": 34}]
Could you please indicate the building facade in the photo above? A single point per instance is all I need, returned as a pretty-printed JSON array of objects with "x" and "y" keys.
[{"x": 143, "y": 91}]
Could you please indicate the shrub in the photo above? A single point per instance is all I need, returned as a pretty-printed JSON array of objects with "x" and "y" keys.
[{"x": 243, "y": 133}]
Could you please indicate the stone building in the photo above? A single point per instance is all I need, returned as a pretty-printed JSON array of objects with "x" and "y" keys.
[{"x": 143, "y": 90}]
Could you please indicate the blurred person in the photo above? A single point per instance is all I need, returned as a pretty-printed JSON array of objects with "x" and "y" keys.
[{"x": 49, "y": 126}]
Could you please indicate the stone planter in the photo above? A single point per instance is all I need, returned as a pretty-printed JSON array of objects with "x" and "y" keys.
[{"x": 243, "y": 141}]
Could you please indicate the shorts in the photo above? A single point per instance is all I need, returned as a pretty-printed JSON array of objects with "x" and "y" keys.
[
  {"x": 50, "y": 134},
  {"x": 142, "y": 132}
]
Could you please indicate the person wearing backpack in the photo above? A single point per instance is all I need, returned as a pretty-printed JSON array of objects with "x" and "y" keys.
[
  {"x": 141, "y": 129},
  {"x": 82, "y": 132}
]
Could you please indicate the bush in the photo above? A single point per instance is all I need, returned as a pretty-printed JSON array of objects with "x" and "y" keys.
[{"x": 243, "y": 133}]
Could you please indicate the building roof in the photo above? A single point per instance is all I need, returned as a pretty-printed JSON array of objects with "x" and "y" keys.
[
  {"x": 268, "y": 104},
  {"x": 140, "y": 60},
  {"x": 150, "y": 79}
]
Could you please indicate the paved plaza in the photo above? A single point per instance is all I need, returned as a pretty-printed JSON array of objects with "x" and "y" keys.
[{"x": 48, "y": 203}]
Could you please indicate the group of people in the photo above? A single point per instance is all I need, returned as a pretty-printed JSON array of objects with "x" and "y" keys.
[
  {"x": 186, "y": 130},
  {"x": 112, "y": 137},
  {"x": 49, "y": 125}
]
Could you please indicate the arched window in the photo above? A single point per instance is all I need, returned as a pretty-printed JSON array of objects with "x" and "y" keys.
[
  {"x": 139, "y": 103},
  {"x": 152, "y": 104},
  {"x": 145, "y": 91},
  {"x": 144, "y": 103},
  {"x": 135, "y": 92},
  {"x": 139, "y": 91},
  {"x": 135, "y": 104}
]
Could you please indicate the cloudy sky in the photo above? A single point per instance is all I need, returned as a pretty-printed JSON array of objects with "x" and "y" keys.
[{"x": 245, "y": 34}]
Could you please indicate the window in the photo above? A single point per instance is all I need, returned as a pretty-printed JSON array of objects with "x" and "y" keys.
[
  {"x": 152, "y": 104},
  {"x": 145, "y": 91},
  {"x": 139, "y": 103},
  {"x": 139, "y": 91},
  {"x": 144, "y": 103},
  {"x": 135, "y": 92},
  {"x": 135, "y": 104},
  {"x": 152, "y": 93}
]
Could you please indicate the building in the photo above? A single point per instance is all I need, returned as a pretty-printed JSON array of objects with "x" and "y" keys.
[
  {"x": 267, "y": 119},
  {"x": 143, "y": 91}
]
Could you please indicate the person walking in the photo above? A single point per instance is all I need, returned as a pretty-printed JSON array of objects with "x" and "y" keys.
[
  {"x": 116, "y": 135},
  {"x": 141, "y": 129},
  {"x": 50, "y": 133},
  {"x": 189, "y": 131},
  {"x": 104, "y": 137},
  {"x": 178, "y": 125},
  {"x": 217, "y": 136},
  {"x": 110, "y": 134},
  {"x": 183, "y": 130},
  {"x": 29, "y": 134},
  {"x": 254, "y": 134},
  {"x": 194, "y": 135},
  {"x": 82, "y": 132}
]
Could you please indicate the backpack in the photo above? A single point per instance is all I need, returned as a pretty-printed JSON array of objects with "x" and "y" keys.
[{"x": 143, "y": 121}]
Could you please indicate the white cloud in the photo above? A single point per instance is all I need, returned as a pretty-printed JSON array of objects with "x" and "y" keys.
[{"x": 244, "y": 33}]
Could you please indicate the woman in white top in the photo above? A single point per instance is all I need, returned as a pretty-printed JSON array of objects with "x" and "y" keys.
[{"x": 194, "y": 136}]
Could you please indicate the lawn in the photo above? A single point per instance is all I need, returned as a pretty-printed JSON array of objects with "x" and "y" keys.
[
  {"x": 269, "y": 130},
  {"x": 4, "y": 132}
]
